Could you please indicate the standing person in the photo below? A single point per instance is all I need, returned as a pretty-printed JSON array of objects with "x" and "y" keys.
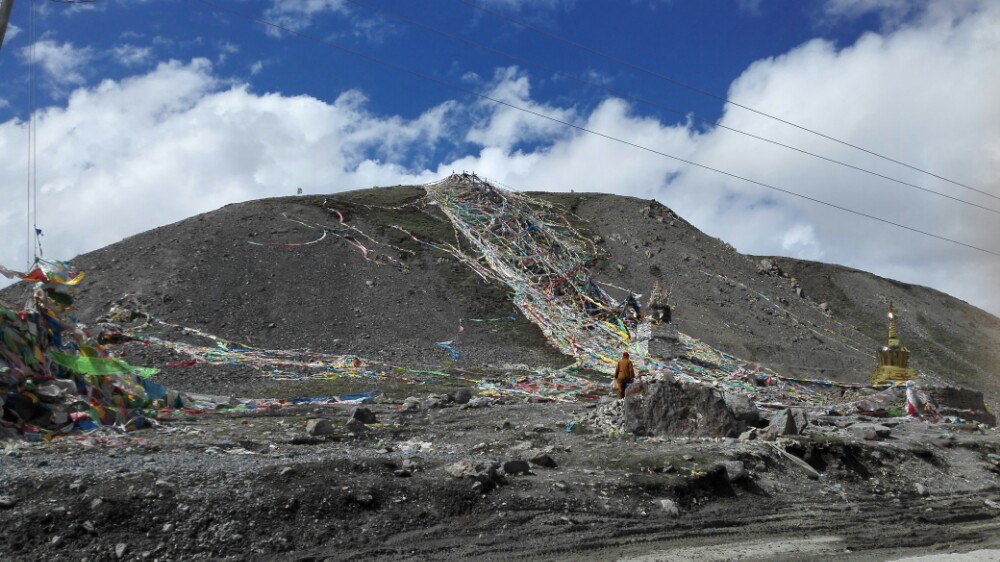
[{"x": 624, "y": 374}]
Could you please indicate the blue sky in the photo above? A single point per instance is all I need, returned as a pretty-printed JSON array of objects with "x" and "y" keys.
[
  {"x": 154, "y": 111},
  {"x": 706, "y": 43}
]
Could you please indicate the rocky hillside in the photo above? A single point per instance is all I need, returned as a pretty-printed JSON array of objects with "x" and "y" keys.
[{"x": 392, "y": 298}]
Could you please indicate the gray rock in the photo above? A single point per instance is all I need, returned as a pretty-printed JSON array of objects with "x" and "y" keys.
[
  {"x": 463, "y": 396},
  {"x": 743, "y": 408},
  {"x": 477, "y": 402},
  {"x": 7, "y": 502},
  {"x": 749, "y": 435},
  {"x": 870, "y": 431},
  {"x": 544, "y": 460},
  {"x": 355, "y": 426},
  {"x": 434, "y": 401},
  {"x": 669, "y": 508},
  {"x": 363, "y": 415},
  {"x": 735, "y": 470},
  {"x": 920, "y": 489},
  {"x": 411, "y": 404},
  {"x": 825, "y": 307},
  {"x": 516, "y": 467},
  {"x": 120, "y": 549},
  {"x": 461, "y": 469},
  {"x": 770, "y": 433},
  {"x": 679, "y": 409},
  {"x": 319, "y": 426},
  {"x": 790, "y": 421}
]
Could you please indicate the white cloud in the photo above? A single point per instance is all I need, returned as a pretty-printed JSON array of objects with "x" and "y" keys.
[
  {"x": 12, "y": 32},
  {"x": 125, "y": 156},
  {"x": 122, "y": 157},
  {"x": 62, "y": 62},
  {"x": 895, "y": 13},
  {"x": 131, "y": 55},
  {"x": 298, "y": 14},
  {"x": 256, "y": 67},
  {"x": 225, "y": 49},
  {"x": 505, "y": 127}
]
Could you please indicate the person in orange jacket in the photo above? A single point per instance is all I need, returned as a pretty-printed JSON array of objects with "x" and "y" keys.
[{"x": 624, "y": 374}]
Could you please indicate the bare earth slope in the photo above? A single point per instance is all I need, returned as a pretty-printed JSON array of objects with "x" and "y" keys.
[
  {"x": 945, "y": 335},
  {"x": 206, "y": 272}
]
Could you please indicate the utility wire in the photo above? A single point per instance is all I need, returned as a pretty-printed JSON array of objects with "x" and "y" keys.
[
  {"x": 31, "y": 128},
  {"x": 649, "y": 102},
  {"x": 34, "y": 148},
  {"x": 446, "y": 84},
  {"x": 680, "y": 84}
]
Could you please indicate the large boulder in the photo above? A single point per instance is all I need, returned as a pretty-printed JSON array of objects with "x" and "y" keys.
[
  {"x": 742, "y": 407},
  {"x": 962, "y": 403},
  {"x": 678, "y": 409}
]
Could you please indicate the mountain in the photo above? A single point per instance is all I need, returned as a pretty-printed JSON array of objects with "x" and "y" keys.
[{"x": 334, "y": 273}]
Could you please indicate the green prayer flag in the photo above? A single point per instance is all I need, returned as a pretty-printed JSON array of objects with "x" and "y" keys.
[{"x": 98, "y": 365}]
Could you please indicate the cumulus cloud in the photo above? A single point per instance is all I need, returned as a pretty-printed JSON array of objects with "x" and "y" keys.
[
  {"x": 63, "y": 63},
  {"x": 131, "y": 55},
  {"x": 298, "y": 14},
  {"x": 124, "y": 156},
  {"x": 924, "y": 93},
  {"x": 12, "y": 32}
]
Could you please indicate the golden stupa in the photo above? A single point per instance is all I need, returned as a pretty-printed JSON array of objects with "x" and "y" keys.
[{"x": 893, "y": 358}]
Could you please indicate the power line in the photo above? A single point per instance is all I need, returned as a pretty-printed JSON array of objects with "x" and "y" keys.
[
  {"x": 31, "y": 128},
  {"x": 446, "y": 84},
  {"x": 646, "y": 101},
  {"x": 700, "y": 91}
]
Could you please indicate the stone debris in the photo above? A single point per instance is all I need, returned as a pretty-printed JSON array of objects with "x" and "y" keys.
[
  {"x": 355, "y": 426},
  {"x": 544, "y": 460},
  {"x": 790, "y": 421},
  {"x": 363, "y": 415},
  {"x": 735, "y": 470},
  {"x": 461, "y": 469},
  {"x": 669, "y": 508},
  {"x": 517, "y": 467},
  {"x": 477, "y": 402},
  {"x": 870, "y": 431},
  {"x": 607, "y": 417},
  {"x": 319, "y": 426},
  {"x": 434, "y": 401}
]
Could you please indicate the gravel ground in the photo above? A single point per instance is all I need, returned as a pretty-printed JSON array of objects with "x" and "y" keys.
[{"x": 237, "y": 486}]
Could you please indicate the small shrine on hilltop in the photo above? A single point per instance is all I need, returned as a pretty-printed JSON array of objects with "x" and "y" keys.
[{"x": 893, "y": 359}]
